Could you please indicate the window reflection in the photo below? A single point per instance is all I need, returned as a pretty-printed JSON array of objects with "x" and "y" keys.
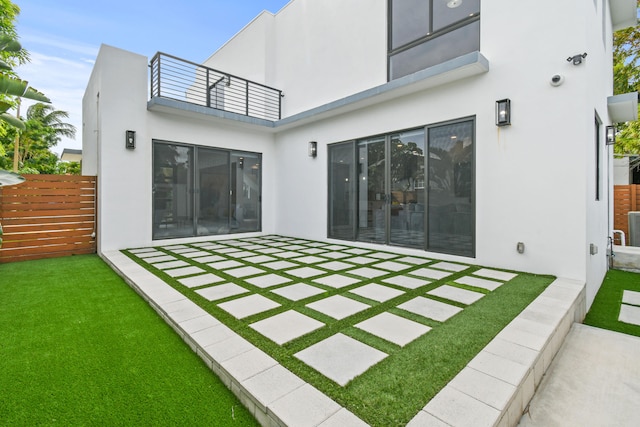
[
  {"x": 424, "y": 33},
  {"x": 450, "y": 178}
]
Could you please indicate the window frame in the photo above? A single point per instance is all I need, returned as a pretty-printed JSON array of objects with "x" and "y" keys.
[
  {"x": 354, "y": 198},
  {"x": 431, "y": 35},
  {"x": 193, "y": 173}
]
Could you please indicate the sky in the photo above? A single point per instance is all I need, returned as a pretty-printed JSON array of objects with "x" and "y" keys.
[{"x": 63, "y": 38}]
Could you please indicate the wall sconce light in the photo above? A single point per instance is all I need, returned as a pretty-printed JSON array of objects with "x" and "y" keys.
[
  {"x": 130, "y": 140},
  {"x": 611, "y": 135},
  {"x": 503, "y": 112},
  {"x": 577, "y": 59},
  {"x": 313, "y": 149}
]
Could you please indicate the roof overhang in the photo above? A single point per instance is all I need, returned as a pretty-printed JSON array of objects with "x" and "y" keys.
[
  {"x": 468, "y": 65},
  {"x": 623, "y": 14},
  {"x": 623, "y": 108}
]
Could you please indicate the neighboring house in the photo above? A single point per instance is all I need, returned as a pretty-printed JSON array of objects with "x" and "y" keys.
[
  {"x": 384, "y": 132},
  {"x": 626, "y": 170},
  {"x": 71, "y": 155}
]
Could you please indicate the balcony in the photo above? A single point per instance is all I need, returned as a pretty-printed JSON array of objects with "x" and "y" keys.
[{"x": 181, "y": 80}]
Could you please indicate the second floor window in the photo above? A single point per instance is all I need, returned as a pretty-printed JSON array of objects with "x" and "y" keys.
[{"x": 424, "y": 33}]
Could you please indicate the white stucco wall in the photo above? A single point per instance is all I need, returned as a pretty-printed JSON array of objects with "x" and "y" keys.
[
  {"x": 314, "y": 51},
  {"x": 534, "y": 180},
  {"x": 118, "y": 91},
  {"x": 125, "y": 176}
]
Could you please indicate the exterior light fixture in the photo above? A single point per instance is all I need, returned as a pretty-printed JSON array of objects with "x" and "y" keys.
[
  {"x": 452, "y": 4},
  {"x": 611, "y": 135},
  {"x": 577, "y": 59},
  {"x": 313, "y": 149},
  {"x": 130, "y": 140},
  {"x": 503, "y": 112}
]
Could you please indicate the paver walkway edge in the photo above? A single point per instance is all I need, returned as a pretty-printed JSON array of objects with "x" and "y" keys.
[{"x": 493, "y": 390}]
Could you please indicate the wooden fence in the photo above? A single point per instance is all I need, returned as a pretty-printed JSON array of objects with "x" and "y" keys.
[
  {"x": 48, "y": 216},
  {"x": 626, "y": 198}
]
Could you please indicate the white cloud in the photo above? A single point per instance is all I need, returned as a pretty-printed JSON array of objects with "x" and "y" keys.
[
  {"x": 31, "y": 41},
  {"x": 64, "y": 81}
]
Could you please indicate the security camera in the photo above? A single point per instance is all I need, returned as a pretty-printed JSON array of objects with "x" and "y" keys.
[{"x": 557, "y": 80}]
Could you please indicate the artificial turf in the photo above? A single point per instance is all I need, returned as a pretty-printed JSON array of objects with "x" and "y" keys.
[
  {"x": 606, "y": 306},
  {"x": 79, "y": 347},
  {"x": 394, "y": 390}
]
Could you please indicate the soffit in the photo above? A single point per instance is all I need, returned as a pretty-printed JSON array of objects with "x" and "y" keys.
[
  {"x": 623, "y": 108},
  {"x": 623, "y": 14}
]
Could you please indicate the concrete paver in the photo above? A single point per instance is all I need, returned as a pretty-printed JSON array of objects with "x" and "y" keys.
[
  {"x": 376, "y": 292},
  {"x": 449, "y": 266},
  {"x": 298, "y": 291},
  {"x": 495, "y": 274},
  {"x": 158, "y": 259},
  {"x": 200, "y": 280},
  {"x": 629, "y": 314},
  {"x": 171, "y": 264},
  {"x": 268, "y": 280},
  {"x": 393, "y": 328},
  {"x": 431, "y": 309},
  {"x": 406, "y": 282},
  {"x": 286, "y": 326},
  {"x": 430, "y": 273},
  {"x": 338, "y": 307},
  {"x": 340, "y": 358},
  {"x": 184, "y": 271},
  {"x": 490, "y": 285},
  {"x": 217, "y": 292},
  {"x": 250, "y": 371},
  {"x": 247, "y": 306},
  {"x": 452, "y": 293},
  {"x": 336, "y": 281},
  {"x": 631, "y": 297}
]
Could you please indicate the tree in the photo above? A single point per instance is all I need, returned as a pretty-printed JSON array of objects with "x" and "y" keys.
[
  {"x": 626, "y": 78},
  {"x": 44, "y": 127}
]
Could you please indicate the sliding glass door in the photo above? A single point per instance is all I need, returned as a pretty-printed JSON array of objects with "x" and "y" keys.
[
  {"x": 213, "y": 194},
  {"x": 372, "y": 190},
  {"x": 172, "y": 190},
  {"x": 200, "y": 191},
  {"x": 450, "y": 192},
  {"x": 387, "y": 190},
  {"x": 407, "y": 208},
  {"x": 342, "y": 190},
  {"x": 245, "y": 192}
]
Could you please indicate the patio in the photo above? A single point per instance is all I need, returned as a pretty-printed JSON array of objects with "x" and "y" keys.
[{"x": 345, "y": 313}]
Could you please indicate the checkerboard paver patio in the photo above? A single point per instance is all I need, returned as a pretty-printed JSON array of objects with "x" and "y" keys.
[{"x": 281, "y": 282}]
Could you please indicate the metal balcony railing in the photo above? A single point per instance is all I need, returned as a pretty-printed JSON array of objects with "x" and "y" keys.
[{"x": 182, "y": 80}]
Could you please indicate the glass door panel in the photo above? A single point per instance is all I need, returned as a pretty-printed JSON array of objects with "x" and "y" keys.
[
  {"x": 372, "y": 200},
  {"x": 213, "y": 194},
  {"x": 245, "y": 192},
  {"x": 451, "y": 218},
  {"x": 341, "y": 191},
  {"x": 407, "y": 210},
  {"x": 172, "y": 191}
]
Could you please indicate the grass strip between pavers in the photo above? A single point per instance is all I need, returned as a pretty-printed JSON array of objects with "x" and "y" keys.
[
  {"x": 394, "y": 390},
  {"x": 605, "y": 309},
  {"x": 79, "y": 347}
]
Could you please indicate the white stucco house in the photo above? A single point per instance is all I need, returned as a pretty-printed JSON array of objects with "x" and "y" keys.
[{"x": 469, "y": 130}]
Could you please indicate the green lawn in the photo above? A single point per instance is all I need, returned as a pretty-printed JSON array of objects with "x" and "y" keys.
[
  {"x": 606, "y": 306},
  {"x": 79, "y": 347}
]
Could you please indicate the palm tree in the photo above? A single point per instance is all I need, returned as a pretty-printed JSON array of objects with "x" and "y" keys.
[{"x": 44, "y": 127}]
